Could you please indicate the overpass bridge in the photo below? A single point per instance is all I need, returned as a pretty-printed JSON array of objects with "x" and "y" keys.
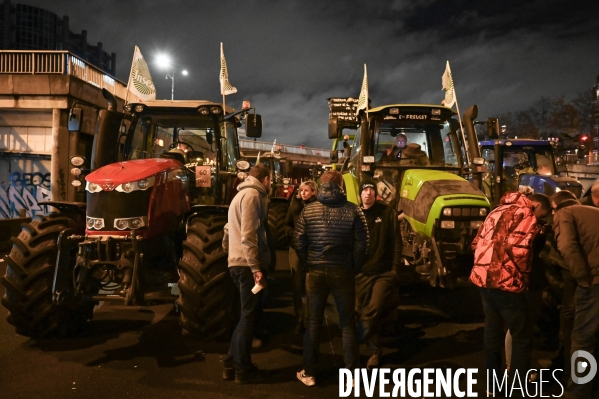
[{"x": 299, "y": 155}]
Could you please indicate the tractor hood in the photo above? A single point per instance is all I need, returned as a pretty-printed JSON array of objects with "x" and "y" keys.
[{"x": 128, "y": 171}]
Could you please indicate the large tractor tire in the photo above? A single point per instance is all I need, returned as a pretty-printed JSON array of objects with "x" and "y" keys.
[
  {"x": 277, "y": 214},
  {"x": 29, "y": 277},
  {"x": 207, "y": 293}
]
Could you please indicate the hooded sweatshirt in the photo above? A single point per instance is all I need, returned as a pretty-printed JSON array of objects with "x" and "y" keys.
[
  {"x": 245, "y": 233},
  {"x": 503, "y": 245}
]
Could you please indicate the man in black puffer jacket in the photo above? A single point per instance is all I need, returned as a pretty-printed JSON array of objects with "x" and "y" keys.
[{"x": 331, "y": 239}]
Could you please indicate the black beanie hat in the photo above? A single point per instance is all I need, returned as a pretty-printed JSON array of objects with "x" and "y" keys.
[{"x": 367, "y": 183}]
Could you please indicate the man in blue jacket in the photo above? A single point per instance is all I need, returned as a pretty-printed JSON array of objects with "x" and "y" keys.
[{"x": 331, "y": 239}]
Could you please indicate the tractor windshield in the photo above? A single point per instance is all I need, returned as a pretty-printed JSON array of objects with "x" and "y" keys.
[
  {"x": 434, "y": 139},
  {"x": 519, "y": 160},
  {"x": 154, "y": 134}
]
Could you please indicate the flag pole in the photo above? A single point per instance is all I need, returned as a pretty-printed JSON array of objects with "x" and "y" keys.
[
  {"x": 129, "y": 81},
  {"x": 461, "y": 127}
]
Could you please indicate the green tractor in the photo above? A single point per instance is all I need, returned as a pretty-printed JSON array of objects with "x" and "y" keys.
[{"x": 440, "y": 210}]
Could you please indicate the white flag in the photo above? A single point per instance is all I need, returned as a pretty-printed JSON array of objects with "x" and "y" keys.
[
  {"x": 447, "y": 81},
  {"x": 363, "y": 99},
  {"x": 140, "y": 82},
  {"x": 225, "y": 86}
]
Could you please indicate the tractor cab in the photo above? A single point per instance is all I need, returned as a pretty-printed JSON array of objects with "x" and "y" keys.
[{"x": 522, "y": 165}]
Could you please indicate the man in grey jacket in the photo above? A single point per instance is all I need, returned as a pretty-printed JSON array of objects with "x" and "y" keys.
[
  {"x": 577, "y": 240},
  {"x": 245, "y": 242}
]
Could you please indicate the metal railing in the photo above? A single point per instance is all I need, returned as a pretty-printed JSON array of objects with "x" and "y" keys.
[
  {"x": 248, "y": 144},
  {"x": 59, "y": 63}
]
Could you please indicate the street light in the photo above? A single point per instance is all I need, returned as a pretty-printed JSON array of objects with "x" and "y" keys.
[{"x": 165, "y": 62}]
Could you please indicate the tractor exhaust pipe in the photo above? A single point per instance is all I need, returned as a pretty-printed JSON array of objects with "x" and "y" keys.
[
  {"x": 110, "y": 98},
  {"x": 473, "y": 148}
]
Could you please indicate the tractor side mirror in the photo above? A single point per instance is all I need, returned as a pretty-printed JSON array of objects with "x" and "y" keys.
[
  {"x": 334, "y": 131},
  {"x": 493, "y": 128},
  {"x": 334, "y": 156},
  {"x": 253, "y": 125},
  {"x": 75, "y": 119}
]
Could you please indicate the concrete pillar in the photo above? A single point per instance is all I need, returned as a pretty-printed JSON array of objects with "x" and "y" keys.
[{"x": 59, "y": 165}]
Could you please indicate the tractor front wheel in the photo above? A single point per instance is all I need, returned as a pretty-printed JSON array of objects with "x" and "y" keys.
[
  {"x": 206, "y": 289},
  {"x": 277, "y": 214},
  {"x": 29, "y": 277}
]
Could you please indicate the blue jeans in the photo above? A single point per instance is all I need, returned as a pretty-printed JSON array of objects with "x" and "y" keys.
[
  {"x": 512, "y": 309},
  {"x": 584, "y": 333},
  {"x": 340, "y": 282},
  {"x": 239, "y": 356}
]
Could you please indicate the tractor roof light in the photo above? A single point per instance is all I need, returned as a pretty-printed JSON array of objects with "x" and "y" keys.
[
  {"x": 139, "y": 108},
  {"x": 394, "y": 111},
  {"x": 435, "y": 111},
  {"x": 127, "y": 108},
  {"x": 216, "y": 110},
  {"x": 204, "y": 110}
]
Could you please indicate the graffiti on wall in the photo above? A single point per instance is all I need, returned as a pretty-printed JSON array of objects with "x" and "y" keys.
[{"x": 24, "y": 191}]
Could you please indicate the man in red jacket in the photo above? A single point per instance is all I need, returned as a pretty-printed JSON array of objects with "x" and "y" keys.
[{"x": 502, "y": 263}]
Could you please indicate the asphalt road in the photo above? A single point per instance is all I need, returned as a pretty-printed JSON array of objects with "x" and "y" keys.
[{"x": 139, "y": 352}]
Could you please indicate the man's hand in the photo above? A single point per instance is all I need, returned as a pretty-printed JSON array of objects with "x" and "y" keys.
[{"x": 259, "y": 279}]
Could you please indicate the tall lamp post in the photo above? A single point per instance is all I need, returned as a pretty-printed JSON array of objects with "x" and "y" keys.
[
  {"x": 171, "y": 75},
  {"x": 165, "y": 62}
]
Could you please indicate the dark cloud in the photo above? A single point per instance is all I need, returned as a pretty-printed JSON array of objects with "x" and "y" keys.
[{"x": 289, "y": 56}]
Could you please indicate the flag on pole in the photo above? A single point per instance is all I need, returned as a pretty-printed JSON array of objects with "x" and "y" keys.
[
  {"x": 140, "y": 82},
  {"x": 447, "y": 81},
  {"x": 225, "y": 86},
  {"x": 363, "y": 99}
]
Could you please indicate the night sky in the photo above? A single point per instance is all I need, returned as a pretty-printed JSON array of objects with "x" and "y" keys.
[{"x": 289, "y": 56}]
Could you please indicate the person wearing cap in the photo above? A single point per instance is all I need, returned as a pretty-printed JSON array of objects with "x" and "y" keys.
[
  {"x": 393, "y": 153},
  {"x": 376, "y": 284},
  {"x": 413, "y": 155}
]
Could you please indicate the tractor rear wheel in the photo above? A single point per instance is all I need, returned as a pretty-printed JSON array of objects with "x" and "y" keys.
[
  {"x": 29, "y": 277},
  {"x": 277, "y": 215},
  {"x": 207, "y": 292}
]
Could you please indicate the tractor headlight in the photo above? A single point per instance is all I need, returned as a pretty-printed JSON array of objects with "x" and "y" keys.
[
  {"x": 143, "y": 184},
  {"x": 475, "y": 224},
  {"x": 447, "y": 224},
  {"x": 139, "y": 108},
  {"x": 77, "y": 161},
  {"x": 130, "y": 223},
  {"x": 446, "y": 211},
  {"x": 242, "y": 175},
  {"x": 128, "y": 187},
  {"x": 93, "y": 187},
  {"x": 76, "y": 183},
  {"x": 286, "y": 180},
  {"x": 482, "y": 212},
  {"x": 94, "y": 223},
  {"x": 242, "y": 165}
]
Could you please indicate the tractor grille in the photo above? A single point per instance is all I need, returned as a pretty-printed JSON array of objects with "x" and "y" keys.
[{"x": 109, "y": 205}]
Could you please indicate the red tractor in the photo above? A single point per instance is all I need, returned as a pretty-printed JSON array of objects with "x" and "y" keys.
[{"x": 162, "y": 176}]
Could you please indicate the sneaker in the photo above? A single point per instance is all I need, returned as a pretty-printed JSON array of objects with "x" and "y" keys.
[
  {"x": 373, "y": 362},
  {"x": 306, "y": 379}
]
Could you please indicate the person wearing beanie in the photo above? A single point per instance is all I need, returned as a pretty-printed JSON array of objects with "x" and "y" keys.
[{"x": 376, "y": 284}]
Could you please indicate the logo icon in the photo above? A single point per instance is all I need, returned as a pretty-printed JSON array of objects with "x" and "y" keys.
[{"x": 583, "y": 362}]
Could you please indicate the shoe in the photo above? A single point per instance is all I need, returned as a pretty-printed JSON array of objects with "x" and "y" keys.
[
  {"x": 228, "y": 374},
  {"x": 373, "y": 362},
  {"x": 308, "y": 381},
  {"x": 252, "y": 376}
]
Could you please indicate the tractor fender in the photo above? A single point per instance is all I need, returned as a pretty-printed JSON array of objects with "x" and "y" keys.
[
  {"x": 202, "y": 209},
  {"x": 78, "y": 207}
]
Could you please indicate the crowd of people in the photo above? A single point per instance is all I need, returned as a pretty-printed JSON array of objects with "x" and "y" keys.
[{"x": 353, "y": 252}]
